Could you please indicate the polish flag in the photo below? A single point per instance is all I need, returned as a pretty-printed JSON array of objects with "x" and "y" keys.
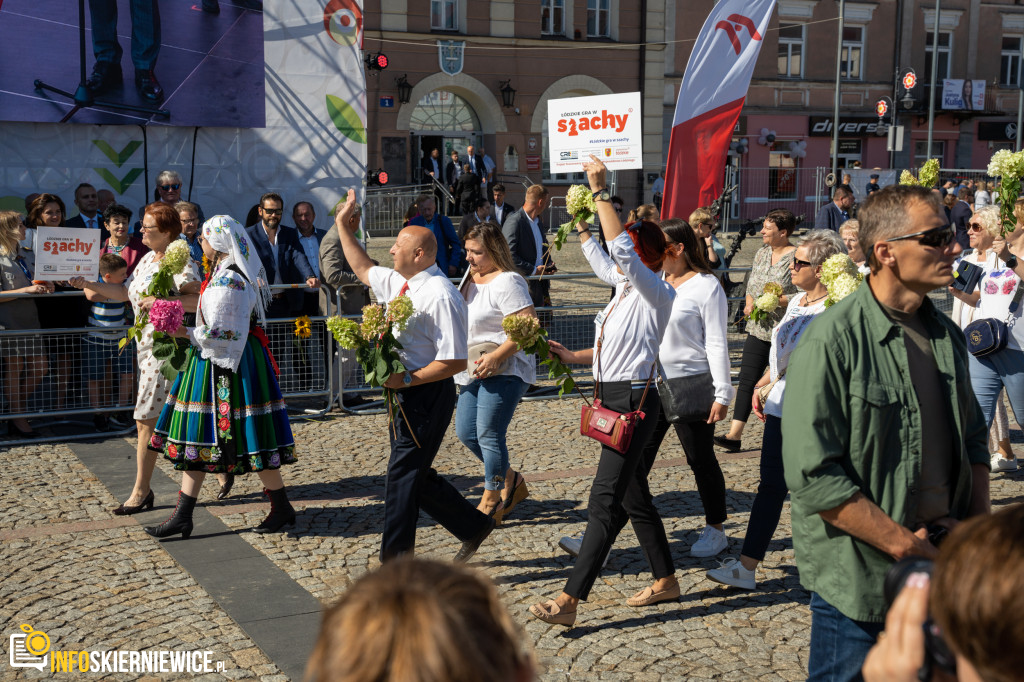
[{"x": 711, "y": 96}]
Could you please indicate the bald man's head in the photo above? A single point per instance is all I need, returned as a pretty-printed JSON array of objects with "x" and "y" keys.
[{"x": 414, "y": 251}]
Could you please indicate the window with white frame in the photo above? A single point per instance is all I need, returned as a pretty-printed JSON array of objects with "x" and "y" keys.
[
  {"x": 444, "y": 15},
  {"x": 791, "y": 50},
  {"x": 598, "y": 19},
  {"x": 945, "y": 47},
  {"x": 851, "y": 67},
  {"x": 1009, "y": 63},
  {"x": 552, "y": 17}
]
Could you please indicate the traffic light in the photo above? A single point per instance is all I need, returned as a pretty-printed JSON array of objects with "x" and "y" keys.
[
  {"x": 376, "y": 61},
  {"x": 377, "y": 177}
]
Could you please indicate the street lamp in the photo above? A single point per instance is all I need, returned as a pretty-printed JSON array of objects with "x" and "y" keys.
[
  {"x": 404, "y": 89},
  {"x": 508, "y": 94}
]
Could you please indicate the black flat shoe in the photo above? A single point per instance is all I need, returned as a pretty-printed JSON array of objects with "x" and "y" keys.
[
  {"x": 469, "y": 547},
  {"x": 125, "y": 510},
  {"x": 730, "y": 444},
  {"x": 104, "y": 75},
  {"x": 148, "y": 86},
  {"x": 226, "y": 488}
]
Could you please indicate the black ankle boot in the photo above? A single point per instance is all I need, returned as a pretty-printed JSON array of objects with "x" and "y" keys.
[
  {"x": 281, "y": 512},
  {"x": 179, "y": 522}
]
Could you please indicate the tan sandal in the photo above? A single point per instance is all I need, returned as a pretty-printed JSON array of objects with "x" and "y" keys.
[
  {"x": 648, "y": 596},
  {"x": 549, "y": 612},
  {"x": 519, "y": 493}
]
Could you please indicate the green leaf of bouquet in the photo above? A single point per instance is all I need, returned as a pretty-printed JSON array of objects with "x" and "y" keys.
[
  {"x": 381, "y": 368},
  {"x": 345, "y": 119},
  {"x": 162, "y": 349}
]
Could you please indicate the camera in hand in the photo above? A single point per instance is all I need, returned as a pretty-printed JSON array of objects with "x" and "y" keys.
[{"x": 936, "y": 652}]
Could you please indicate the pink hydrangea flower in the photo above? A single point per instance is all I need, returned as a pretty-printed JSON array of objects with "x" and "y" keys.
[{"x": 166, "y": 316}]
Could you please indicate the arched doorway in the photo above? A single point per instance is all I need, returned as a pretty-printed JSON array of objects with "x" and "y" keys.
[{"x": 446, "y": 121}]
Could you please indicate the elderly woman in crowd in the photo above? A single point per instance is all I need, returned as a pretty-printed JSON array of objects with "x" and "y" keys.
[
  {"x": 771, "y": 264},
  {"x": 491, "y": 387},
  {"x": 230, "y": 369},
  {"x": 812, "y": 251},
  {"x": 121, "y": 242},
  {"x": 23, "y": 368},
  {"x": 160, "y": 227},
  {"x": 982, "y": 229},
  {"x": 628, "y": 333},
  {"x": 168, "y": 191},
  {"x": 849, "y": 232}
]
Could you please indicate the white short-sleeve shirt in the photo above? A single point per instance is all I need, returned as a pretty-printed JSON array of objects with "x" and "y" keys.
[
  {"x": 489, "y": 304},
  {"x": 437, "y": 329}
]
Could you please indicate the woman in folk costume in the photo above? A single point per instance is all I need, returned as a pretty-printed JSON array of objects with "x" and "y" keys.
[{"x": 225, "y": 413}]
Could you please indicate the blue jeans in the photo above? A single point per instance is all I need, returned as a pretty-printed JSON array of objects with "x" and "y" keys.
[
  {"x": 482, "y": 417},
  {"x": 990, "y": 374},
  {"x": 839, "y": 644},
  {"x": 145, "y": 32}
]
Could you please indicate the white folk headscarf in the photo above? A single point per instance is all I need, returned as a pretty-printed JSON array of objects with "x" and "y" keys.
[{"x": 225, "y": 234}]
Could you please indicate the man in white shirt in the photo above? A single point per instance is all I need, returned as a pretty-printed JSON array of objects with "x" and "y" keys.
[
  {"x": 502, "y": 210},
  {"x": 526, "y": 240},
  {"x": 310, "y": 238},
  {"x": 433, "y": 351}
]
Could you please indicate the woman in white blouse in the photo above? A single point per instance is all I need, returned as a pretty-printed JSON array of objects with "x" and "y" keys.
[
  {"x": 811, "y": 252},
  {"x": 225, "y": 413},
  {"x": 627, "y": 335},
  {"x": 491, "y": 387},
  {"x": 694, "y": 356}
]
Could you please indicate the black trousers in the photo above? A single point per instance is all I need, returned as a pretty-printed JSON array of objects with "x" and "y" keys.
[
  {"x": 752, "y": 366},
  {"x": 697, "y": 439},
  {"x": 412, "y": 483},
  {"x": 620, "y": 492}
]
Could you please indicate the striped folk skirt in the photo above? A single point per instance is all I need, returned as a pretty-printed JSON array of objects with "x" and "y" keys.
[{"x": 220, "y": 421}]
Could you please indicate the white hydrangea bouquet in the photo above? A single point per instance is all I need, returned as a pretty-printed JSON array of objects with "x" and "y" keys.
[
  {"x": 1009, "y": 168},
  {"x": 766, "y": 303},
  {"x": 529, "y": 337},
  {"x": 579, "y": 203},
  {"x": 375, "y": 344},
  {"x": 166, "y": 348},
  {"x": 927, "y": 177},
  {"x": 841, "y": 278}
]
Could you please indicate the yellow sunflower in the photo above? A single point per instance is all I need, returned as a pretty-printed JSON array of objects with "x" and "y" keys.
[{"x": 303, "y": 327}]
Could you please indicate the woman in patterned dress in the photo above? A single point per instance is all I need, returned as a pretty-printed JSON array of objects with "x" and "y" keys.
[
  {"x": 225, "y": 413},
  {"x": 160, "y": 227}
]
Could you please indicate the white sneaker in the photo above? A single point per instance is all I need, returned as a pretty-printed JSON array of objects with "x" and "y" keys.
[
  {"x": 1000, "y": 464},
  {"x": 711, "y": 542},
  {"x": 572, "y": 544},
  {"x": 732, "y": 573}
]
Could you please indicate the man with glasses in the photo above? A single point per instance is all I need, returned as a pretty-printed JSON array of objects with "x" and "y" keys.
[
  {"x": 285, "y": 261},
  {"x": 168, "y": 190},
  {"x": 189, "y": 214},
  {"x": 883, "y": 442}
]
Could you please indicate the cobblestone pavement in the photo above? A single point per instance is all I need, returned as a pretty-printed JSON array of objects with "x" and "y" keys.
[{"x": 94, "y": 581}]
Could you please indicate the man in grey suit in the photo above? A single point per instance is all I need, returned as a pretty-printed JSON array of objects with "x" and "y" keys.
[{"x": 525, "y": 236}]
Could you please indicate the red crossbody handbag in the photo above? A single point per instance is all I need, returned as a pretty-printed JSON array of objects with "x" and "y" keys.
[{"x": 608, "y": 427}]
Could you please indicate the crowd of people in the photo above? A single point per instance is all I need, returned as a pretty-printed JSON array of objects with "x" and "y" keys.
[{"x": 877, "y": 419}]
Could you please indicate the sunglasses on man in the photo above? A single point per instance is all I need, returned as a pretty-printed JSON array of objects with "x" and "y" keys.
[
  {"x": 938, "y": 237},
  {"x": 167, "y": 188}
]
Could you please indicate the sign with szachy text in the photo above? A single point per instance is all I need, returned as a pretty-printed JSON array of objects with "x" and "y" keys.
[
  {"x": 607, "y": 126},
  {"x": 66, "y": 252}
]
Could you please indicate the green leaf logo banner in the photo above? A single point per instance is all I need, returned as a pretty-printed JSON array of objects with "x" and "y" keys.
[
  {"x": 346, "y": 120},
  {"x": 117, "y": 157}
]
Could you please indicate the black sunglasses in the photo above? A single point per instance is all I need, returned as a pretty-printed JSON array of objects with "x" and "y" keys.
[
  {"x": 801, "y": 263},
  {"x": 168, "y": 188},
  {"x": 272, "y": 211},
  {"x": 938, "y": 237}
]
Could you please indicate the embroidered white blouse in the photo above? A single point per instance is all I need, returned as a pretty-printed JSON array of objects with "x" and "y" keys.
[{"x": 222, "y": 320}]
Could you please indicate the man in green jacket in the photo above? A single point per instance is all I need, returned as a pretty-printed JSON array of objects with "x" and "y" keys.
[{"x": 883, "y": 442}]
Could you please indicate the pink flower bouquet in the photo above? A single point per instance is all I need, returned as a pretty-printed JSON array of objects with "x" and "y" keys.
[{"x": 166, "y": 316}]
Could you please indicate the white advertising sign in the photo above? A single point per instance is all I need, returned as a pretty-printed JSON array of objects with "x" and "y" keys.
[
  {"x": 960, "y": 94},
  {"x": 66, "y": 252},
  {"x": 607, "y": 126}
]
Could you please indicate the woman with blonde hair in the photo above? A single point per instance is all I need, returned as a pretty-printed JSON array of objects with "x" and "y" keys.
[
  {"x": 849, "y": 232},
  {"x": 416, "y": 620},
  {"x": 498, "y": 374},
  {"x": 982, "y": 229},
  {"x": 23, "y": 369}
]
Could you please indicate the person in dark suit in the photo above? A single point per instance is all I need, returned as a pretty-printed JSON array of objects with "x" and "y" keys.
[
  {"x": 476, "y": 163},
  {"x": 432, "y": 165},
  {"x": 285, "y": 261},
  {"x": 310, "y": 238},
  {"x": 836, "y": 212},
  {"x": 452, "y": 171},
  {"x": 525, "y": 235},
  {"x": 467, "y": 189},
  {"x": 89, "y": 216},
  {"x": 501, "y": 210},
  {"x": 960, "y": 214},
  {"x": 481, "y": 213}
]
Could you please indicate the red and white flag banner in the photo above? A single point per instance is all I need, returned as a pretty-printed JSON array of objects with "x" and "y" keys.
[{"x": 711, "y": 96}]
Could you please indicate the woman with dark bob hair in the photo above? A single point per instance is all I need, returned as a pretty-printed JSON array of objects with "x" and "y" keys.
[
  {"x": 628, "y": 333},
  {"x": 160, "y": 227}
]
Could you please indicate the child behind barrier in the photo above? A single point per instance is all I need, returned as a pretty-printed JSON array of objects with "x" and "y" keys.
[{"x": 101, "y": 347}]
